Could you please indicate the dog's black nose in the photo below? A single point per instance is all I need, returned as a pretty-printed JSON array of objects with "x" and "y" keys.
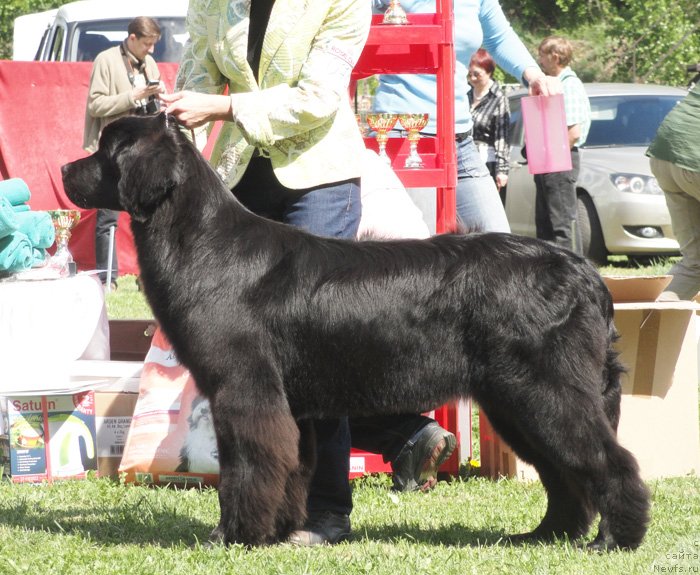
[{"x": 64, "y": 169}]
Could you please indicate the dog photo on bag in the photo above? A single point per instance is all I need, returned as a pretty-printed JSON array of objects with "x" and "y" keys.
[{"x": 279, "y": 327}]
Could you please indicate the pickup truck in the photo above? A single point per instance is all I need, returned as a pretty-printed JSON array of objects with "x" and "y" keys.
[{"x": 78, "y": 31}]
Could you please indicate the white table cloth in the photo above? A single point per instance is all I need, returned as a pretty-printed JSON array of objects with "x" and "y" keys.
[{"x": 46, "y": 325}]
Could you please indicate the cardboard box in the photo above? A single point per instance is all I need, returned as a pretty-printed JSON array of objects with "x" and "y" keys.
[
  {"x": 625, "y": 289},
  {"x": 497, "y": 458},
  {"x": 64, "y": 435},
  {"x": 659, "y": 413}
]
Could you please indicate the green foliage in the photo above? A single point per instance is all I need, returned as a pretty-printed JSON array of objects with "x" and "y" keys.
[
  {"x": 11, "y": 9},
  {"x": 654, "y": 40},
  {"x": 649, "y": 41},
  {"x": 614, "y": 40}
]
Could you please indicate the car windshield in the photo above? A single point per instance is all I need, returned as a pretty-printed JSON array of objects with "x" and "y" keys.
[
  {"x": 91, "y": 38},
  {"x": 626, "y": 120}
]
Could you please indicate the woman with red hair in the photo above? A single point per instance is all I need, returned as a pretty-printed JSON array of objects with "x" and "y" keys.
[{"x": 489, "y": 109}]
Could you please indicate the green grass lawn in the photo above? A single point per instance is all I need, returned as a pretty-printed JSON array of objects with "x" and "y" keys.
[{"x": 102, "y": 526}]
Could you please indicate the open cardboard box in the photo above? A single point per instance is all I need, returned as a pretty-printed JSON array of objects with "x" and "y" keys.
[
  {"x": 659, "y": 413},
  {"x": 636, "y": 288}
]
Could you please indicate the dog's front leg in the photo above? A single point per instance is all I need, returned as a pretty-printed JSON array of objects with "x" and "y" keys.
[
  {"x": 258, "y": 442},
  {"x": 293, "y": 511}
]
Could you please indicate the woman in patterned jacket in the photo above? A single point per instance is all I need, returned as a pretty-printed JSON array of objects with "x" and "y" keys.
[{"x": 277, "y": 73}]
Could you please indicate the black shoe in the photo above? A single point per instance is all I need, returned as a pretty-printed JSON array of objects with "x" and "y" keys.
[
  {"x": 416, "y": 466},
  {"x": 322, "y": 528}
]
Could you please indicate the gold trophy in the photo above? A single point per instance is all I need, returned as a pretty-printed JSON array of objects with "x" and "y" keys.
[
  {"x": 63, "y": 222},
  {"x": 413, "y": 124},
  {"x": 382, "y": 123},
  {"x": 395, "y": 14}
]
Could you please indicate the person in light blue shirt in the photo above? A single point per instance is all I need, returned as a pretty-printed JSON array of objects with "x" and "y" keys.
[
  {"x": 415, "y": 445},
  {"x": 478, "y": 23}
]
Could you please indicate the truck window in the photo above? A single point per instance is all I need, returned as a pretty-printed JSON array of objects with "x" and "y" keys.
[
  {"x": 56, "y": 53},
  {"x": 88, "y": 39}
]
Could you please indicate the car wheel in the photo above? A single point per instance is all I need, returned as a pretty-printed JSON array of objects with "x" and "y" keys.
[{"x": 591, "y": 233}]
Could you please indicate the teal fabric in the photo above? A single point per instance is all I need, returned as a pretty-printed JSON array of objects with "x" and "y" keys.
[
  {"x": 8, "y": 218},
  {"x": 15, "y": 190},
  {"x": 38, "y": 256},
  {"x": 21, "y": 208},
  {"x": 38, "y": 227},
  {"x": 16, "y": 253}
]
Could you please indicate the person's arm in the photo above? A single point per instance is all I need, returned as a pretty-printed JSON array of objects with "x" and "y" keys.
[
  {"x": 574, "y": 132},
  {"x": 539, "y": 84},
  {"x": 500, "y": 141},
  {"x": 509, "y": 52},
  {"x": 282, "y": 111},
  {"x": 575, "y": 107}
]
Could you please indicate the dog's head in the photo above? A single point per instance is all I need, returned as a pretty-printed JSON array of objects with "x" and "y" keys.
[{"x": 133, "y": 170}]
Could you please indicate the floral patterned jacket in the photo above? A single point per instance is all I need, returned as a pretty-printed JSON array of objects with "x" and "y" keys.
[{"x": 297, "y": 111}]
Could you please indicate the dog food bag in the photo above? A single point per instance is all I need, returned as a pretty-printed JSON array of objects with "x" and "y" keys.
[{"x": 171, "y": 438}]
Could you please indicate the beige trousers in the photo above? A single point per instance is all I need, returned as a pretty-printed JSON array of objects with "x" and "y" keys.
[{"x": 682, "y": 190}]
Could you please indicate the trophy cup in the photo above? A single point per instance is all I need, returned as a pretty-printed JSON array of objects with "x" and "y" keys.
[
  {"x": 382, "y": 123},
  {"x": 63, "y": 222},
  {"x": 413, "y": 124},
  {"x": 395, "y": 14}
]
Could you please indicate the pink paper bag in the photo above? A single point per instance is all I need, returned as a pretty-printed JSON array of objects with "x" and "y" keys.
[{"x": 546, "y": 135}]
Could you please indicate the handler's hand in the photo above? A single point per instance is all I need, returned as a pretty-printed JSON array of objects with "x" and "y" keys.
[
  {"x": 540, "y": 84},
  {"x": 193, "y": 110}
]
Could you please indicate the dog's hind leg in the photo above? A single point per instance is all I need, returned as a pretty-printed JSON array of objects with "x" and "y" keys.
[
  {"x": 581, "y": 464},
  {"x": 569, "y": 513},
  {"x": 258, "y": 442}
]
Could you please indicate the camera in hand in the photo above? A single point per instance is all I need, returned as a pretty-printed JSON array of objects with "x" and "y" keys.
[{"x": 152, "y": 106}]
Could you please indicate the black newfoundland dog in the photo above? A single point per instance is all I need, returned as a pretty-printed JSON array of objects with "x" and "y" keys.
[{"x": 278, "y": 326}]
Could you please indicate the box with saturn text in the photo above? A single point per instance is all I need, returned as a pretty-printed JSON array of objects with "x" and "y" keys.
[{"x": 65, "y": 435}]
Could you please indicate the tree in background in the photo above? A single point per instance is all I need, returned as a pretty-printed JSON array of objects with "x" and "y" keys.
[
  {"x": 614, "y": 40},
  {"x": 656, "y": 40},
  {"x": 9, "y": 10},
  {"x": 617, "y": 40}
]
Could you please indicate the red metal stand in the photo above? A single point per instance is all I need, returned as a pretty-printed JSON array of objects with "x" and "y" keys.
[{"x": 424, "y": 46}]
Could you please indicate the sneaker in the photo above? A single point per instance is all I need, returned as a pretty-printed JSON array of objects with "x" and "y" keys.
[
  {"x": 416, "y": 466},
  {"x": 322, "y": 528}
]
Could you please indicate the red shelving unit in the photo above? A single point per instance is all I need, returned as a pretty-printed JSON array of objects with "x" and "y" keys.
[{"x": 423, "y": 46}]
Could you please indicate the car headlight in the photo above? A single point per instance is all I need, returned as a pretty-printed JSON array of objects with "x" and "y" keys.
[{"x": 636, "y": 184}]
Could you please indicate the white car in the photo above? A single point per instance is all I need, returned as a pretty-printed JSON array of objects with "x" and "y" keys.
[
  {"x": 621, "y": 208},
  {"x": 78, "y": 31}
]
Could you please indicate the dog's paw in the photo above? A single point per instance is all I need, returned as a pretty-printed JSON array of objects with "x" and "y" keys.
[{"x": 216, "y": 538}]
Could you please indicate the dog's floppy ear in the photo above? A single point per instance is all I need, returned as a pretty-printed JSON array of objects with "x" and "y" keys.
[{"x": 150, "y": 169}]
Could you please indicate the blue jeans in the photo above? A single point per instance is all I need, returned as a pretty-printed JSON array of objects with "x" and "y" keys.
[
  {"x": 331, "y": 210},
  {"x": 479, "y": 206}
]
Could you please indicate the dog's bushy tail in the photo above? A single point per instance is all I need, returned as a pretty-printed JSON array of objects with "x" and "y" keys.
[{"x": 627, "y": 502}]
